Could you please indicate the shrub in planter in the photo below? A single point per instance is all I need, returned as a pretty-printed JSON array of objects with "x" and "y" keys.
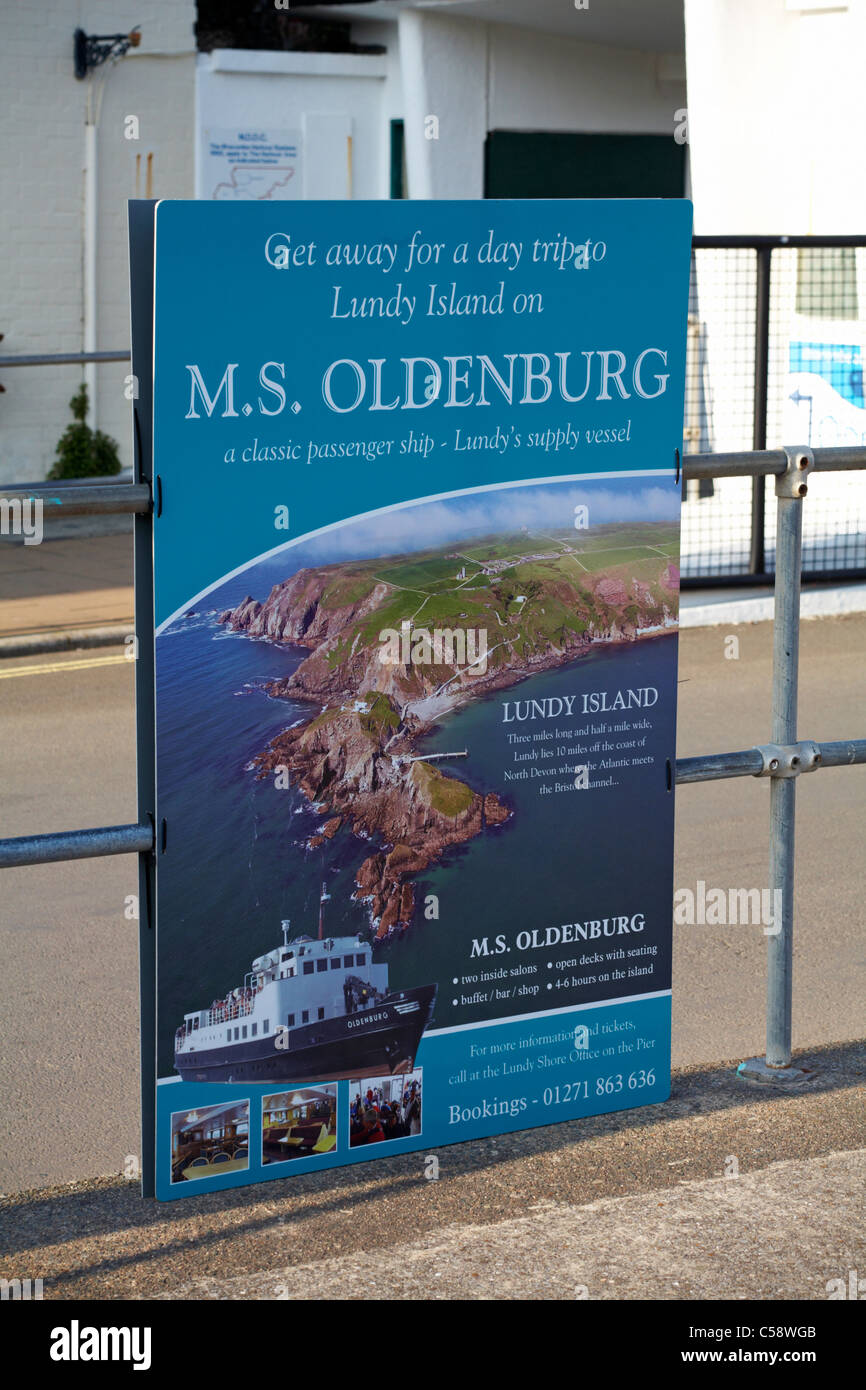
[{"x": 81, "y": 451}]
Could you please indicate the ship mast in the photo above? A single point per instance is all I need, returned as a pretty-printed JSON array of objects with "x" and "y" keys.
[{"x": 324, "y": 898}]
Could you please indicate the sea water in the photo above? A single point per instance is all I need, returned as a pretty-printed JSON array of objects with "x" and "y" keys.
[{"x": 236, "y": 861}]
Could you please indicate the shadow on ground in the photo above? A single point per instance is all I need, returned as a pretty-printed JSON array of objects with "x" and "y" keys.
[{"x": 99, "y": 1239}]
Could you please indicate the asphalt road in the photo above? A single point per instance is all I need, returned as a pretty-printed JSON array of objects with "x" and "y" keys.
[{"x": 68, "y": 958}]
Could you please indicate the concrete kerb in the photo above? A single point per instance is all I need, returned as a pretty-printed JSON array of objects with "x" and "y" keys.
[
  {"x": 72, "y": 639},
  {"x": 716, "y": 608}
]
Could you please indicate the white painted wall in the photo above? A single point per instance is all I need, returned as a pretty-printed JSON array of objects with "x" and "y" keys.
[
  {"x": 776, "y": 116},
  {"x": 325, "y": 96},
  {"x": 444, "y": 66},
  {"x": 546, "y": 82},
  {"x": 41, "y": 210}
]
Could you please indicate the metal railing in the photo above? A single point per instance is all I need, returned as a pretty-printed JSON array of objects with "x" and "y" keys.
[
  {"x": 783, "y": 760},
  {"x": 773, "y": 339},
  {"x": 65, "y": 359}
]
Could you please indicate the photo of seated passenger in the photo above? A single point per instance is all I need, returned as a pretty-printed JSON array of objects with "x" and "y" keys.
[
  {"x": 299, "y": 1124},
  {"x": 384, "y": 1107}
]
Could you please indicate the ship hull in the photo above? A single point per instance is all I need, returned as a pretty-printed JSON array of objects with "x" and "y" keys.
[{"x": 373, "y": 1042}]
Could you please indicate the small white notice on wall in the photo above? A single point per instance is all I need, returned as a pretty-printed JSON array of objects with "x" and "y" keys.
[{"x": 262, "y": 165}]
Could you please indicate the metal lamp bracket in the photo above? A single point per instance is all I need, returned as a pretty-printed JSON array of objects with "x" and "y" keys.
[
  {"x": 792, "y": 483},
  {"x": 91, "y": 50},
  {"x": 789, "y": 759}
]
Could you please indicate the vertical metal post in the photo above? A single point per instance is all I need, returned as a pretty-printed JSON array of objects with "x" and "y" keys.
[
  {"x": 757, "y": 562},
  {"x": 790, "y": 491},
  {"x": 141, "y": 233}
]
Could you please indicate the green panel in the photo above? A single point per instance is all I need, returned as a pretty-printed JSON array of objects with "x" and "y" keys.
[
  {"x": 398, "y": 160},
  {"x": 543, "y": 164}
]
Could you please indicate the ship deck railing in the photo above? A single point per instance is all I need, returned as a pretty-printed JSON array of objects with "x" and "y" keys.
[{"x": 224, "y": 1014}]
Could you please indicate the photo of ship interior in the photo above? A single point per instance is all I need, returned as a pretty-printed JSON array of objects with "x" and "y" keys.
[
  {"x": 211, "y": 1141},
  {"x": 299, "y": 1124},
  {"x": 385, "y": 1107}
]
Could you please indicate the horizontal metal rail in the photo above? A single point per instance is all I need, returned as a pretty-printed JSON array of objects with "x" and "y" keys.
[
  {"x": 81, "y": 499},
  {"x": 714, "y": 767},
  {"x": 699, "y": 243},
  {"x": 76, "y": 844},
  {"x": 139, "y": 839},
  {"x": 774, "y": 242},
  {"x": 843, "y": 753},
  {"x": 749, "y": 762},
  {"x": 64, "y": 359},
  {"x": 766, "y": 580},
  {"x": 769, "y": 461}
]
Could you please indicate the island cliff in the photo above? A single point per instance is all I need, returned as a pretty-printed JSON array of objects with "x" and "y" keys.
[{"x": 538, "y": 605}]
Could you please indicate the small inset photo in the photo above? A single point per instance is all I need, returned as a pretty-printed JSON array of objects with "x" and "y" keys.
[
  {"x": 210, "y": 1141},
  {"x": 299, "y": 1124},
  {"x": 384, "y": 1107}
]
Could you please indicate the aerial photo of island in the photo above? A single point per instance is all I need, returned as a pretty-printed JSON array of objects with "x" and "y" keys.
[{"x": 397, "y": 643}]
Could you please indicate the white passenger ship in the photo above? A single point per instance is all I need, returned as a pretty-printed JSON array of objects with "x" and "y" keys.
[{"x": 309, "y": 1010}]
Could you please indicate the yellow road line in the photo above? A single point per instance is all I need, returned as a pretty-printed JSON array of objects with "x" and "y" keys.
[{"x": 84, "y": 664}]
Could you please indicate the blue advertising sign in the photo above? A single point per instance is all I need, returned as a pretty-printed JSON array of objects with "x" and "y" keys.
[
  {"x": 825, "y": 402},
  {"x": 416, "y": 594}
]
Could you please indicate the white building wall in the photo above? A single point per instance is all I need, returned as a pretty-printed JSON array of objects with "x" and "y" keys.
[
  {"x": 326, "y": 97},
  {"x": 546, "y": 82},
  {"x": 41, "y": 211},
  {"x": 445, "y": 83},
  {"x": 776, "y": 116}
]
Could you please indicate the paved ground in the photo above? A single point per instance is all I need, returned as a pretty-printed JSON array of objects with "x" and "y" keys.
[
  {"x": 68, "y": 955},
  {"x": 66, "y": 584},
  {"x": 704, "y": 1240},
  {"x": 631, "y": 1205}
]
